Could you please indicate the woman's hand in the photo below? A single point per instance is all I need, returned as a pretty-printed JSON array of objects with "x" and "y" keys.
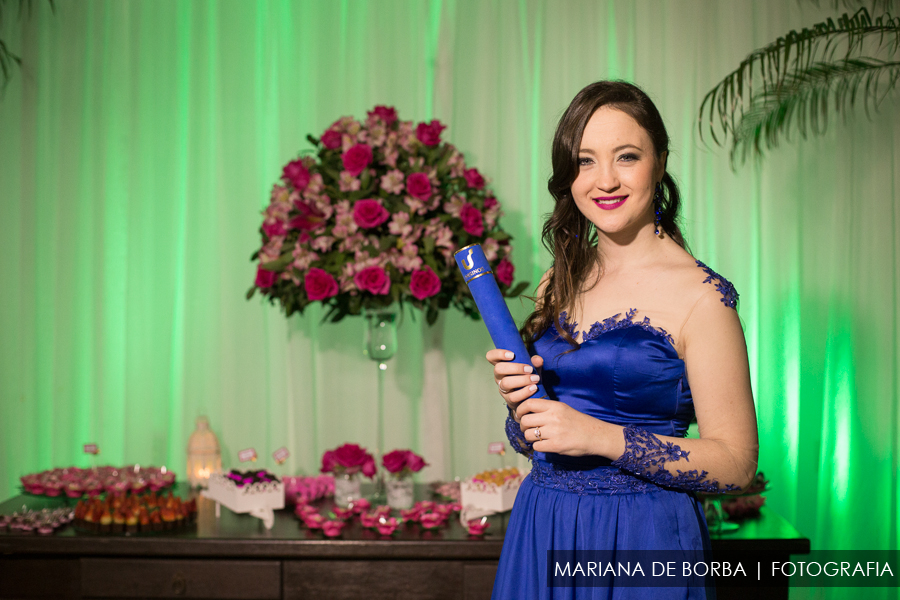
[
  {"x": 516, "y": 382},
  {"x": 557, "y": 427}
]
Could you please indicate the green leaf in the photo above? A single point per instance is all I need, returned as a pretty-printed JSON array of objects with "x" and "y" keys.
[
  {"x": 794, "y": 83},
  {"x": 250, "y": 292},
  {"x": 517, "y": 290},
  {"x": 279, "y": 263},
  {"x": 428, "y": 244},
  {"x": 312, "y": 140}
]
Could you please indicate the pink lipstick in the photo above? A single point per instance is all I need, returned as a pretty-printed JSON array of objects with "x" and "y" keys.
[{"x": 610, "y": 202}]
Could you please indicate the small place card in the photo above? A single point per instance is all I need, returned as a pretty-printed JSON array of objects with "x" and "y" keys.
[
  {"x": 91, "y": 449},
  {"x": 281, "y": 455},
  {"x": 497, "y": 448},
  {"x": 248, "y": 454}
]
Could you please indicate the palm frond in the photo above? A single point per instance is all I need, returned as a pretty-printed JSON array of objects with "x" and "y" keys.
[
  {"x": 767, "y": 70},
  {"x": 805, "y": 99},
  {"x": 8, "y": 59}
]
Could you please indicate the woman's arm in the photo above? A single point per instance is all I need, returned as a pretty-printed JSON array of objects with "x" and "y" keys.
[{"x": 725, "y": 456}]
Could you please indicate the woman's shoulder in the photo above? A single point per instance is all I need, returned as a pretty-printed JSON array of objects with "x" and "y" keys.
[{"x": 695, "y": 279}]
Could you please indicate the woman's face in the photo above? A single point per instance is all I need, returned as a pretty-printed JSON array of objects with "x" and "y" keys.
[{"x": 618, "y": 172}]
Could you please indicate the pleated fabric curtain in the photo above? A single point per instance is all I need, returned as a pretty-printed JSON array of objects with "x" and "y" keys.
[{"x": 140, "y": 139}]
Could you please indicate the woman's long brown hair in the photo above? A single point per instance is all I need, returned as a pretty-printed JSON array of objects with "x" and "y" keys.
[{"x": 568, "y": 235}]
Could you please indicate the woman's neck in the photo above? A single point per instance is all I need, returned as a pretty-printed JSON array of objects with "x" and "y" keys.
[{"x": 618, "y": 252}]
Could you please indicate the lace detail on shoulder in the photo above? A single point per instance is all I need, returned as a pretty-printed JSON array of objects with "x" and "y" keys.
[
  {"x": 583, "y": 483},
  {"x": 517, "y": 439},
  {"x": 613, "y": 322},
  {"x": 729, "y": 294},
  {"x": 564, "y": 325},
  {"x": 646, "y": 456}
]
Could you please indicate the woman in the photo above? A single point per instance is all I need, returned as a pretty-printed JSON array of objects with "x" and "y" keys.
[{"x": 635, "y": 338}]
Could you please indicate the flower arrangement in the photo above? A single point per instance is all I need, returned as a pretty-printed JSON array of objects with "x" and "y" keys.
[
  {"x": 348, "y": 459},
  {"x": 402, "y": 463},
  {"x": 373, "y": 217}
]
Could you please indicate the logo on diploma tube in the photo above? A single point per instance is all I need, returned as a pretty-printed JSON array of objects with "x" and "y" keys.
[
  {"x": 468, "y": 263},
  {"x": 468, "y": 259}
]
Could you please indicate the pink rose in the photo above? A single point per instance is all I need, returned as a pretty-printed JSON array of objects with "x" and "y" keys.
[
  {"x": 368, "y": 520},
  {"x": 275, "y": 228},
  {"x": 490, "y": 202},
  {"x": 474, "y": 179},
  {"x": 356, "y": 159},
  {"x": 369, "y": 213},
  {"x": 331, "y": 139},
  {"x": 351, "y": 455},
  {"x": 472, "y": 220},
  {"x": 319, "y": 284},
  {"x": 419, "y": 186},
  {"x": 368, "y": 468},
  {"x": 424, "y": 283},
  {"x": 265, "y": 278},
  {"x": 297, "y": 174},
  {"x": 430, "y": 134},
  {"x": 394, "y": 461},
  {"x": 308, "y": 219},
  {"x": 415, "y": 462},
  {"x": 328, "y": 462},
  {"x": 505, "y": 272},
  {"x": 373, "y": 279},
  {"x": 388, "y": 114}
]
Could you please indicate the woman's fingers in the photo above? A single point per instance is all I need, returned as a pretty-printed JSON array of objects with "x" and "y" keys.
[{"x": 498, "y": 355}]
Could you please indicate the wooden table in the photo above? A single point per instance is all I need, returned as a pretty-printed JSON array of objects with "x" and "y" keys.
[{"x": 236, "y": 557}]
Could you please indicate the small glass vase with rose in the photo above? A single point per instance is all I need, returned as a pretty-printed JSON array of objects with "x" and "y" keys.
[
  {"x": 401, "y": 464},
  {"x": 347, "y": 462}
]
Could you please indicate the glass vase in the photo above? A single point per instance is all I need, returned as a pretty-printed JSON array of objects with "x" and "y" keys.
[
  {"x": 346, "y": 489},
  {"x": 400, "y": 493},
  {"x": 381, "y": 345}
]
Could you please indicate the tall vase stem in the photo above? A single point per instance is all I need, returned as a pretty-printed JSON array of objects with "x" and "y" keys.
[{"x": 380, "y": 491}]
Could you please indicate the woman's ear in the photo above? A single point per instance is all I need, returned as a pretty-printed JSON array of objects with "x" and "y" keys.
[{"x": 663, "y": 157}]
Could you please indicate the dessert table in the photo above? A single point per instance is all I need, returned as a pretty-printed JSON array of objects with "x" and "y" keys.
[{"x": 234, "y": 556}]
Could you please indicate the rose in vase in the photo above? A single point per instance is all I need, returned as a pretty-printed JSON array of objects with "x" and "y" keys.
[
  {"x": 348, "y": 459},
  {"x": 402, "y": 463}
]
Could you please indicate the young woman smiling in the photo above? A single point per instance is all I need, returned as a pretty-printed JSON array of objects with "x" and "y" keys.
[{"x": 633, "y": 339}]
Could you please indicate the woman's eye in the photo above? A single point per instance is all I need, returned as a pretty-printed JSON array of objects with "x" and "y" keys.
[
  {"x": 583, "y": 161},
  {"x": 628, "y": 157}
]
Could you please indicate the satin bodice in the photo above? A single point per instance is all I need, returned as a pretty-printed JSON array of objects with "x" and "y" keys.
[{"x": 625, "y": 372}]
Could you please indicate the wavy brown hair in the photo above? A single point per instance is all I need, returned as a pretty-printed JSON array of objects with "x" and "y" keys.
[{"x": 568, "y": 234}]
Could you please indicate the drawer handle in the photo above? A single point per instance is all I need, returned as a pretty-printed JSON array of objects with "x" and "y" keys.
[{"x": 179, "y": 585}]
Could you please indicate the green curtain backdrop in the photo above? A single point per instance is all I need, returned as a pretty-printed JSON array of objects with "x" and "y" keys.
[{"x": 140, "y": 139}]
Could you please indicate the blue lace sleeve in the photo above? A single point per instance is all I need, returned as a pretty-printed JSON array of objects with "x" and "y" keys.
[
  {"x": 646, "y": 456},
  {"x": 516, "y": 438}
]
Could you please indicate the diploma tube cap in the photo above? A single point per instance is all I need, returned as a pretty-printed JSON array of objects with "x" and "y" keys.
[{"x": 490, "y": 302}]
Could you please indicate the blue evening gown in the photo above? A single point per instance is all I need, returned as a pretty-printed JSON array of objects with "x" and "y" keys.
[{"x": 626, "y": 372}]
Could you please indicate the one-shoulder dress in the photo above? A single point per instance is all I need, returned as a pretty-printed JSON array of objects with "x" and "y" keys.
[{"x": 626, "y": 372}]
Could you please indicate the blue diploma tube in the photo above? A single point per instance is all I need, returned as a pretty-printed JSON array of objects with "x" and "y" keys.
[{"x": 478, "y": 275}]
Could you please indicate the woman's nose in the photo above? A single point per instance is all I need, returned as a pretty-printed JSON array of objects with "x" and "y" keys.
[{"x": 607, "y": 179}]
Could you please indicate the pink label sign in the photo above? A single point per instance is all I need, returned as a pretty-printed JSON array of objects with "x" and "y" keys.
[
  {"x": 496, "y": 448},
  {"x": 281, "y": 455},
  {"x": 248, "y": 454},
  {"x": 91, "y": 449}
]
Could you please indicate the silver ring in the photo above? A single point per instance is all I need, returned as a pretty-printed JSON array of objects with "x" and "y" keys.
[
  {"x": 537, "y": 432},
  {"x": 500, "y": 387}
]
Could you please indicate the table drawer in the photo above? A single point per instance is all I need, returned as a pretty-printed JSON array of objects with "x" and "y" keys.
[
  {"x": 152, "y": 578},
  {"x": 373, "y": 580}
]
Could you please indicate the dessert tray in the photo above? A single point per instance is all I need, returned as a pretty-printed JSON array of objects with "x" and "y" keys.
[{"x": 258, "y": 493}]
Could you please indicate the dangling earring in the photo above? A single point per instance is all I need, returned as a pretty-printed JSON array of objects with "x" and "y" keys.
[{"x": 657, "y": 203}]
